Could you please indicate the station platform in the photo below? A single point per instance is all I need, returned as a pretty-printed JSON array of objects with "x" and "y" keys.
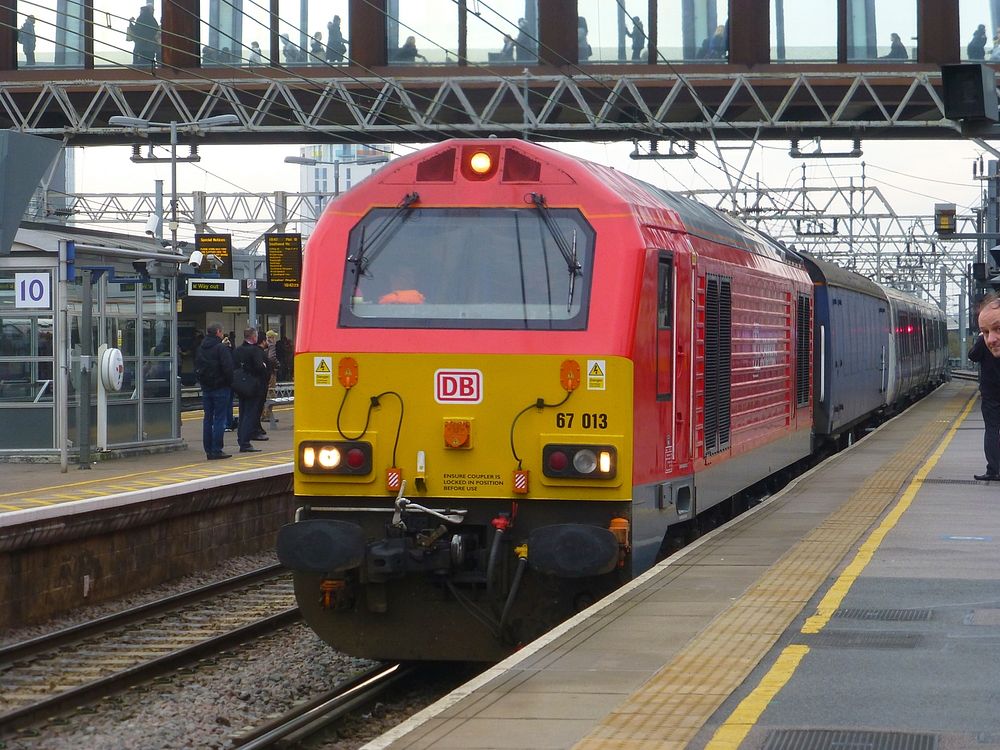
[
  {"x": 857, "y": 608},
  {"x": 44, "y": 485}
]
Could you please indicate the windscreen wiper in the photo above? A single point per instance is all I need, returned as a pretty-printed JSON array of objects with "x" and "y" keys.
[
  {"x": 568, "y": 251},
  {"x": 359, "y": 259}
]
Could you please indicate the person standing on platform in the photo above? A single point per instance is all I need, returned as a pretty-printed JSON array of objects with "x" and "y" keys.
[
  {"x": 271, "y": 357},
  {"x": 638, "y": 36},
  {"x": 336, "y": 45},
  {"x": 976, "y": 49},
  {"x": 251, "y": 358},
  {"x": 213, "y": 366},
  {"x": 146, "y": 34},
  {"x": 986, "y": 352},
  {"x": 26, "y": 36}
]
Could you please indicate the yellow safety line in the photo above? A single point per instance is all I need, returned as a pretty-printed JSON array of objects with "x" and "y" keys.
[
  {"x": 742, "y": 720},
  {"x": 830, "y": 603},
  {"x": 734, "y": 730},
  {"x": 185, "y": 467}
]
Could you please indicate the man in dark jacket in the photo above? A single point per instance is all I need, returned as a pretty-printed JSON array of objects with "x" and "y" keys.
[
  {"x": 146, "y": 33},
  {"x": 986, "y": 351},
  {"x": 213, "y": 364},
  {"x": 250, "y": 357},
  {"x": 26, "y": 36}
]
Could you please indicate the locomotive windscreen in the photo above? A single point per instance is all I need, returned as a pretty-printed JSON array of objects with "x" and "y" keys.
[{"x": 468, "y": 268}]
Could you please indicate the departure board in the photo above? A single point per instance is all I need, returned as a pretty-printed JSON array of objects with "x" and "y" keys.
[
  {"x": 284, "y": 261},
  {"x": 221, "y": 247}
]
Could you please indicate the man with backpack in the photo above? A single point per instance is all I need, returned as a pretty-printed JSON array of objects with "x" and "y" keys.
[{"x": 213, "y": 365}]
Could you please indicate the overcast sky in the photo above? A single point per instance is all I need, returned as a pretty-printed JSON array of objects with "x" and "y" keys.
[{"x": 914, "y": 175}]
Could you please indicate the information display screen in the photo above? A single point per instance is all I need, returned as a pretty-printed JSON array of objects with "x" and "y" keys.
[
  {"x": 284, "y": 261},
  {"x": 216, "y": 246}
]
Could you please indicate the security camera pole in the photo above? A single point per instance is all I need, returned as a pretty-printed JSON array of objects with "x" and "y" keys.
[{"x": 141, "y": 124}]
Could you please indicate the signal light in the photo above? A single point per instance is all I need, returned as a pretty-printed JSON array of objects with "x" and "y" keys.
[
  {"x": 480, "y": 162},
  {"x": 944, "y": 218},
  {"x": 580, "y": 461},
  {"x": 349, "y": 457}
]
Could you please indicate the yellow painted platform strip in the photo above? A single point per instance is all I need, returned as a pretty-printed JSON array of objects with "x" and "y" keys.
[
  {"x": 734, "y": 730},
  {"x": 831, "y": 601},
  {"x": 672, "y": 707},
  {"x": 738, "y": 726},
  {"x": 102, "y": 486}
]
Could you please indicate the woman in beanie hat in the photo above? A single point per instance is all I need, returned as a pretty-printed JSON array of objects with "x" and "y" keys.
[{"x": 271, "y": 349}]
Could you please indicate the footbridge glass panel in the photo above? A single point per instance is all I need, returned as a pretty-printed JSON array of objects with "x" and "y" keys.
[
  {"x": 608, "y": 32},
  {"x": 881, "y": 31},
  {"x": 804, "y": 30},
  {"x": 491, "y": 31},
  {"x": 51, "y": 35},
  {"x": 308, "y": 31},
  {"x": 979, "y": 21},
  {"x": 422, "y": 33},
  {"x": 693, "y": 30}
]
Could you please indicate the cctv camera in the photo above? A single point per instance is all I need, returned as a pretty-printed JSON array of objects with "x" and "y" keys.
[
  {"x": 152, "y": 224},
  {"x": 140, "y": 266},
  {"x": 196, "y": 259}
]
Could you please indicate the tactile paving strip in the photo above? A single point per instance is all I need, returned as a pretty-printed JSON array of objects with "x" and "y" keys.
[{"x": 670, "y": 709}]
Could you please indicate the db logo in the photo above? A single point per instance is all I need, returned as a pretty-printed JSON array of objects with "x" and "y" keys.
[{"x": 458, "y": 386}]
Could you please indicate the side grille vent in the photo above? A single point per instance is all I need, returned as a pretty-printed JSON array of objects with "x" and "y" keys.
[
  {"x": 440, "y": 168},
  {"x": 718, "y": 362},
  {"x": 802, "y": 349},
  {"x": 519, "y": 168}
]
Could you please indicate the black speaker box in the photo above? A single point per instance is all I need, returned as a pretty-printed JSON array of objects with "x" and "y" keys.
[{"x": 970, "y": 92}]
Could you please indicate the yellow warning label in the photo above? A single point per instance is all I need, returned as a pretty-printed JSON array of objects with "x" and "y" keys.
[
  {"x": 323, "y": 371},
  {"x": 597, "y": 375}
]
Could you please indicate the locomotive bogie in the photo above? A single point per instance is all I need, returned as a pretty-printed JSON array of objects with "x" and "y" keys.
[{"x": 414, "y": 575}]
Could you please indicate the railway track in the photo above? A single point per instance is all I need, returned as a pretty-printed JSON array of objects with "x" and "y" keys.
[
  {"x": 294, "y": 726},
  {"x": 82, "y": 664}
]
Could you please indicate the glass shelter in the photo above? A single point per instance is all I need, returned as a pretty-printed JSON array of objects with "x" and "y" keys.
[{"x": 87, "y": 312}]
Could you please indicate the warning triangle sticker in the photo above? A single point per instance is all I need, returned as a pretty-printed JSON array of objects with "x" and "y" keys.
[
  {"x": 596, "y": 371},
  {"x": 322, "y": 366}
]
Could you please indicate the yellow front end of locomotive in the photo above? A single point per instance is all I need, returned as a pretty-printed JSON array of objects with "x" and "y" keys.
[{"x": 462, "y": 426}]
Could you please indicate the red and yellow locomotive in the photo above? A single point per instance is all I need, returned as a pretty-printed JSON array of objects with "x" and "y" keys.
[{"x": 515, "y": 371}]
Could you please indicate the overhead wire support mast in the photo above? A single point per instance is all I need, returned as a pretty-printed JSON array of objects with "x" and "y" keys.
[{"x": 690, "y": 152}]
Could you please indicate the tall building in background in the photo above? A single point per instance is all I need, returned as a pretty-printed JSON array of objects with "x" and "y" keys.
[{"x": 338, "y": 167}]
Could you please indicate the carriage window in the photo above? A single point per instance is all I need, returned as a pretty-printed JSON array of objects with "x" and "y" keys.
[
  {"x": 468, "y": 268},
  {"x": 665, "y": 295}
]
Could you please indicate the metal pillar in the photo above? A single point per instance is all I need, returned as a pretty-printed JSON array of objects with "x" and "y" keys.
[{"x": 86, "y": 364}]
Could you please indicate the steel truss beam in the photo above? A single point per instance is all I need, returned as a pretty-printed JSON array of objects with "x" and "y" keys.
[
  {"x": 855, "y": 227},
  {"x": 780, "y": 103}
]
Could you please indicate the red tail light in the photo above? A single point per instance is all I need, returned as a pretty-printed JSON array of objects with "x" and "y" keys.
[{"x": 580, "y": 461}]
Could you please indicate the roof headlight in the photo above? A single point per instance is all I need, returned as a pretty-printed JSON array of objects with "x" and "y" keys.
[{"x": 480, "y": 162}]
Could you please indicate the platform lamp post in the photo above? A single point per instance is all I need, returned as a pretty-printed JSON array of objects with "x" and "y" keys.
[
  {"x": 309, "y": 162},
  {"x": 140, "y": 124}
]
